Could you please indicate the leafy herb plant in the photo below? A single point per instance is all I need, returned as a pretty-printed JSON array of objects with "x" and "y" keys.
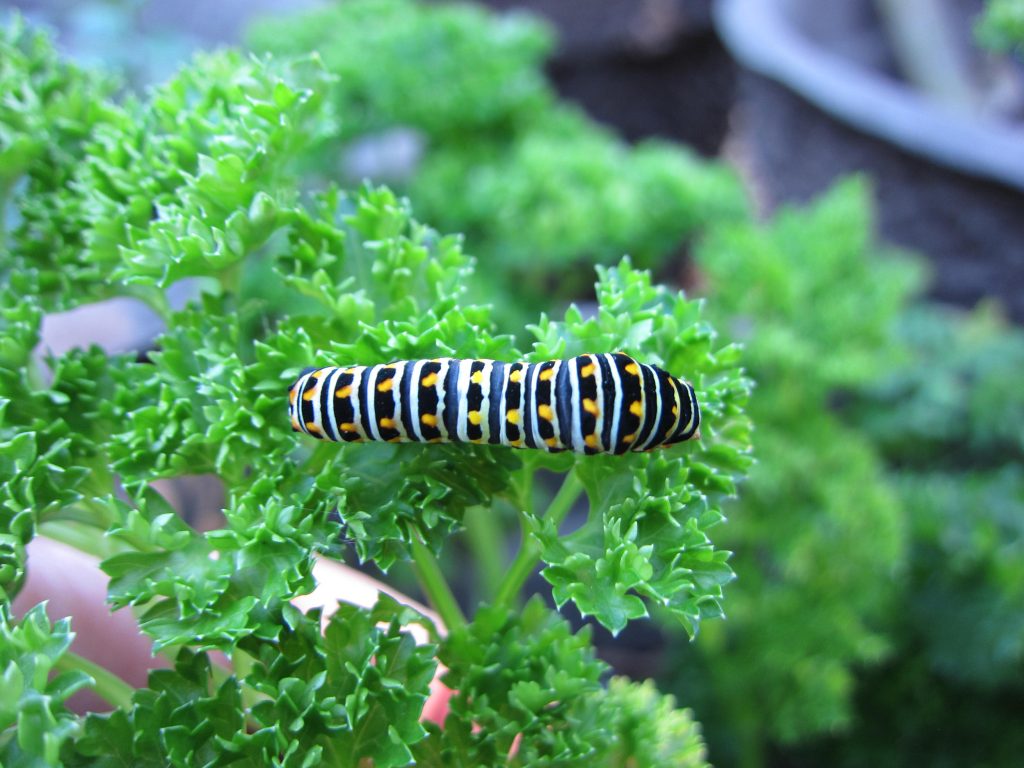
[
  {"x": 955, "y": 676},
  {"x": 816, "y": 305},
  {"x": 201, "y": 179}
]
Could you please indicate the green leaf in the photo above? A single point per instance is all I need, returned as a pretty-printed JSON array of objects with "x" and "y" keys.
[
  {"x": 518, "y": 678},
  {"x": 384, "y": 51},
  {"x": 1001, "y": 27},
  {"x": 33, "y": 721},
  {"x": 648, "y": 729}
]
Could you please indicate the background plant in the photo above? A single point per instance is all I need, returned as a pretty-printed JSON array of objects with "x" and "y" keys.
[
  {"x": 200, "y": 179},
  {"x": 540, "y": 191},
  {"x": 1001, "y": 26},
  {"x": 815, "y": 304},
  {"x": 950, "y": 424}
]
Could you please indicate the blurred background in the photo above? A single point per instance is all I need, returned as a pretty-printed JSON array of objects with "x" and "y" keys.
[{"x": 844, "y": 182}]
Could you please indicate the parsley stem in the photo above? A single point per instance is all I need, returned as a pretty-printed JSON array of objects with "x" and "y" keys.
[
  {"x": 81, "y": 536},
  {"x": 484, "y": 535},
  {"x": 152, "y": 297},
  {"x": 524, "y": 489},
  {"x": 108, "y": 686},
  {"x": 5, "y": 192},
  {"x": 435, "y": 586},
  {"x": 530, "y": 550}
]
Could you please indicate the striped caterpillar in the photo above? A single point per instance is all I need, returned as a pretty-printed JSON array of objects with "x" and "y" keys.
[{"x": 604, "y": 403}]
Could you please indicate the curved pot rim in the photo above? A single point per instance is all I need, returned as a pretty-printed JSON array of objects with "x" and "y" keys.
[{"x": 759, "y": 35}]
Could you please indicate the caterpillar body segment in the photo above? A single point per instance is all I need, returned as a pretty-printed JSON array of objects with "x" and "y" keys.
[{"x": 597, "y": 403}]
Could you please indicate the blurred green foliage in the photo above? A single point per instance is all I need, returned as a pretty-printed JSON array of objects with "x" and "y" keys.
[
  {"x": 564, "y": 194},
  {"x": 540, "y": 191},
  {"x": 955, "y": 437},
  {"x": 1001, "y": 26},
  {"x": 818, "y": 536},
  {"x": 455, "y": 72},
  {"x": 202, "y": 179},
  {"x": 955, "y": 404},
  {"x": 950, "y": 423}
]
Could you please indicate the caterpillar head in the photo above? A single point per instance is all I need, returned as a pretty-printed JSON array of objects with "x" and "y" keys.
[{"x": 689, "y": 417}]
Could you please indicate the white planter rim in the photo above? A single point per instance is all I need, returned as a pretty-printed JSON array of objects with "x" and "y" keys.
[{"x": 759, "y": 35}]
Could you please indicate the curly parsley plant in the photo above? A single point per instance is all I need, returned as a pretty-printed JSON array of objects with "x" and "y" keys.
[{"x": 105, "y": 197}]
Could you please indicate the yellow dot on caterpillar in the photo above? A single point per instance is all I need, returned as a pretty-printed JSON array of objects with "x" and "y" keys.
[
  {"x": 546, "y": 374},
  {"x": 474, "y": 417},
  {"x": 309, "y": 394},
  {"x": 397, "y": 439},
  {"x": 675, "y": 410},
  {"x": 319, "y": 374},
  {"x": 512, "y": 416},
  {"x": 633, "y": 368},
  {"x": 477, "y": 378},
  {"x": 311, "y": 426},
  {"x": 587, "y": 370},
  {"x": 516, "y": 376},
  {"x": 295, "y": 423},
  {"x": 345, "y": 391},
  {"x": 386, "y": 385},
  {"x": 516, "y": 443},
  {"x": 386, "y": 423},
  {"x": 636, "y": 408},
  {"x": 429, "y": 380},
  {"x": 591, "y": 441},
  {"x": 629, "y": 438},
  {"x": 293, "y": 395},
  {"x": 347, "y": 426},
  {"x": 552, "y": 442},
  {"x": 590, "y": 406},
  {"x": 429, "y": 419},
  {"x": 545, "y": 412}
]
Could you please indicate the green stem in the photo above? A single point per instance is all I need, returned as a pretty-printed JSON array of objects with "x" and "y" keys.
[
  {"x": 435, "y": 586},
  {"x": 524, "y": 488},
  {"x": 485, "y": 538},
  {"x": 33, "y": 374},
  {"x": 87, "y": 512},
  {"x": 530, "y": 550},
  {"x": 152, "y": 297},
  {"x": 81, "y": 536},
  {"x": 5, "y": 200},
  {"x": 243, "y": 664},
  {"x": 219, "y": 675},
  {"x": 109, "y": 686},
  {"x": 231, "y": 277}
]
